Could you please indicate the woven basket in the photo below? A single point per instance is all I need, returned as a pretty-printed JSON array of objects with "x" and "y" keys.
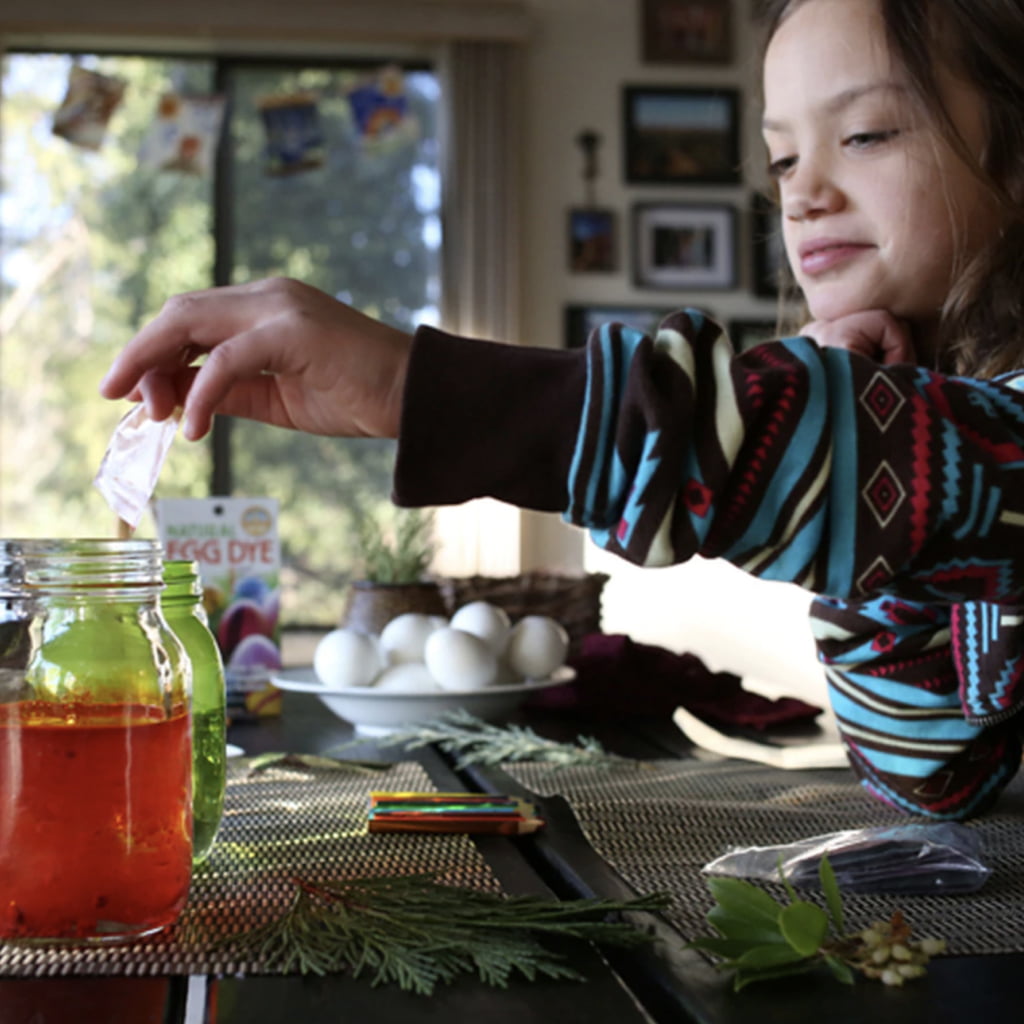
[{"x": 574, "y": 601}]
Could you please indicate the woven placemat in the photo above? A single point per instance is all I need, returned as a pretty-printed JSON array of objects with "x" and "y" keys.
[
  {"x": 278, "y": 823},
  {"x": 657, "y": 824}
]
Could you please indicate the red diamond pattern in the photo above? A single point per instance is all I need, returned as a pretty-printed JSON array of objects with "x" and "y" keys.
[
  {"x": 882, "y": 401},
  {"x": 884, "y": 493}
]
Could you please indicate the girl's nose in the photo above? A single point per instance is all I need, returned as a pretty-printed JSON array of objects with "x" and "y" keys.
[{"x": 809, "y": 191}]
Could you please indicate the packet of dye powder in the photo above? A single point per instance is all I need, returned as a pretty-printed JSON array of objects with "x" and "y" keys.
[
  {"x": 132, "y": 462},
  {"x": 235, "y": 543}
]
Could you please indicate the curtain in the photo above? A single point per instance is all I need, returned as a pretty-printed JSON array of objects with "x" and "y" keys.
[{"x": 482, "y": 141}]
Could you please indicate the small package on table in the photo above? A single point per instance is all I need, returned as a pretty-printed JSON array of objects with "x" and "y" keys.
[{"x": 235, "y": 543}]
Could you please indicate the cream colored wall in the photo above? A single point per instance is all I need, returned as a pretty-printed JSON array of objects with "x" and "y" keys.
[{"x": 581, "y": 52}]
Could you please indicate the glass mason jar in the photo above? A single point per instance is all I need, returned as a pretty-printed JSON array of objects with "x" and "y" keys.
[
  {"x": 95, "y": 748},
  {"x": 182, "y": 603}
]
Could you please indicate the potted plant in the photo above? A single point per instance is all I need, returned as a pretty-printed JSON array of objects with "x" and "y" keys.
[{"x": 395, "y": 555}]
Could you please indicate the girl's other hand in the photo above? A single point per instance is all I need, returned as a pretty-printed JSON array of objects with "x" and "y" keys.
[
  {"x": 277, "y": 351},
  {"x": 874, "y": 333}
]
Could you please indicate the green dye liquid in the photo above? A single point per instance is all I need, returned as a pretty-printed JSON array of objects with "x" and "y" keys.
[{"x": 209, "y": 766}]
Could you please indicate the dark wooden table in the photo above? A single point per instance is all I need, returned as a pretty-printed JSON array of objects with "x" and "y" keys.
[{"x": 663, "y": 983}]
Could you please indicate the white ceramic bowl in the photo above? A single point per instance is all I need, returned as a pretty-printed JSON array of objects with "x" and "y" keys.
[{"x": 382, "y": 711}]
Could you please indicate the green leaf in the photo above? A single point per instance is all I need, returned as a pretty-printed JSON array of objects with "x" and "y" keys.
[
  {"x": 804, "y": 926},
  {"x": 833, "y": 899},
  {"x": 733, "y": 927},
  {"x": 741, "y": 899},
  {"x": 839, "y": 970},
  {"x": 770, "y": 956}
]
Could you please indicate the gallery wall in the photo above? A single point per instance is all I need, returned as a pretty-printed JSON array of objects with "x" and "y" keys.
[{"x": 581, "y": 57}]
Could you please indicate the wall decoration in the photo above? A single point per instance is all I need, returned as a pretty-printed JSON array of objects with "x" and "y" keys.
[
  {"x": 294, "y": 137},
  {"x": 89, "y": 101},
  {"x": 686, "y": 31},
  {"x": 184, "y": 134},
  {"x": 591, "y": 239},
  {"x": 580, "y": 320},
  {"x": 770, "y": 268},
  {"x": 684, "y": 245},
  {"x": 676, "y": 135},
  {"x": 748, "y": 333},
  {"x": 380, "y": 110}
]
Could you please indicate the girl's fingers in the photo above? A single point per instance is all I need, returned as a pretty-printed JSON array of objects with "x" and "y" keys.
[
  {"x": 187, "y": 327},
  {"x": 235, "y": 380},
  {"x": 876, "y": 334}
]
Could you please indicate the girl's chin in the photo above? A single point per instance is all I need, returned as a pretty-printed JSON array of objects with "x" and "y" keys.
[{"x": 835, "y": 307}]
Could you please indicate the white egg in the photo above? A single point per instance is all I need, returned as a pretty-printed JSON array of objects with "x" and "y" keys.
[
  {"x": 459, "y": 660},
  {"x": 345, "y": 657},
  {"x": 485, "y": 620},
  {"x": 412, "y": 677},
  {"x": 403, "y": 638},
  {"x": 537, "y": 645}
]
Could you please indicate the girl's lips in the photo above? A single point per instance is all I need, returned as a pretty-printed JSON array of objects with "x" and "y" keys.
[{"x": 820, "y": 257}]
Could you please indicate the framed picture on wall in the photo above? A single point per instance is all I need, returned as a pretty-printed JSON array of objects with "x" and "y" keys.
[
  {"x": 591, "y": 239},
  {"x": 580, "y": 320},
  {"x": 766, "y": 247},
  {"x": 684, "y": 245},
  {"x": 676, "y": 135},
  {"x": 686, "y": 31}
]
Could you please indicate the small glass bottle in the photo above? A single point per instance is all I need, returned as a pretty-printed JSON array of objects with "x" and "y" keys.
[
  {"x": 95, "y": 747},
  {"x": 182, "y": 603}
]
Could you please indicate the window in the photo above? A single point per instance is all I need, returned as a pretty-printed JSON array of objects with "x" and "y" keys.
[{"x": 92, "y": 242}]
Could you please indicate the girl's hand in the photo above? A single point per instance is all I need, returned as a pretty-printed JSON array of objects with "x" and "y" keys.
[
  {"x": 873, "y": 333},
  {"x": 276, "y": 351}
]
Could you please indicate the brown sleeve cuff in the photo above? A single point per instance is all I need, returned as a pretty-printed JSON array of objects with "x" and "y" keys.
[{"x": 482, "y": 419}]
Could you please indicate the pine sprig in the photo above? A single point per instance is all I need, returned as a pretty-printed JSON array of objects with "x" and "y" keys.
[
  {"x": 417, "y": 933},
  {"x": 759, "y": 938},
  {"x": 476, "y": 742}
]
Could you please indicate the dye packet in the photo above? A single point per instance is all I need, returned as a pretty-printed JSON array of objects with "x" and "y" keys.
[
  {"x": 132, "y": 462},
  {"x": 912, "y": 858}
]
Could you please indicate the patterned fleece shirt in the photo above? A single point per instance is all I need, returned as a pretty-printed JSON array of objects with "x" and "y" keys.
[{"x": 894, "y": 493}]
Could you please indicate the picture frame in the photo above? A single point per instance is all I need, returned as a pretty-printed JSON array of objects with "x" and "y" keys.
[
  {"x": 681, "y": 135},
  {"x": 747, "y": 332},
  {"x": 592, "y": 241},
  {"x": 580, "y": 320},
  {"x": 686, "y": 31},
  {"x": 768, "y": 253},
  {"x": 684, "y": 245}
]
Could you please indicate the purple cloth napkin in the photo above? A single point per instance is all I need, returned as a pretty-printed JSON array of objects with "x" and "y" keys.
[{"x": 616, "y": 676}]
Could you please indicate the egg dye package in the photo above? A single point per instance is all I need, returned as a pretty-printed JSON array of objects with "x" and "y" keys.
[{"x": 235, "y": 543}]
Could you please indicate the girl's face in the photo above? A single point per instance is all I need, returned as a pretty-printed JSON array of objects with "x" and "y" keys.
[{"x": 875, "y": 205}]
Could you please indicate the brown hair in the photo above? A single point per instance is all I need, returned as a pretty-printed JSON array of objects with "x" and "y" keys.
[{"x": 982, "y": 325}]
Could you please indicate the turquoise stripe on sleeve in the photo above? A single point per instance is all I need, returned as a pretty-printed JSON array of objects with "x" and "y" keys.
[
  {"x": 605, "y": 461},
  {"x": 790, "y": 469},
  {"x": 605, "y": 435},
  {"x": 953, "y": 729},
  {"x": 906, "y": 693},
  {"x": 896, "y": 764},
  {"x": 843, "y": 482},
  {"x": 790, "y": 560}
]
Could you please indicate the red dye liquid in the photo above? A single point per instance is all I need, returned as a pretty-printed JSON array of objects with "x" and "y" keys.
[{"x": 95, "y": 820}]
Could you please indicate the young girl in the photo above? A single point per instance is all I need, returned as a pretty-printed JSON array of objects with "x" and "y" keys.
[{"x": 895, "y": 490}]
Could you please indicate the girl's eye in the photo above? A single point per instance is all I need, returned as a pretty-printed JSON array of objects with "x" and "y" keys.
[
  {"x": 776, "y": 168},
  {"x": 865, "y": 140}
]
